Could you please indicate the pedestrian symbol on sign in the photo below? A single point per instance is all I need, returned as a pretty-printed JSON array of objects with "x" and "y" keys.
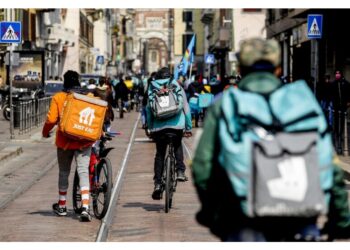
[
  {"x": 314, "y": 26},
  {"x": 314, "y": 29},
  {"x": 9, "y": 34}
]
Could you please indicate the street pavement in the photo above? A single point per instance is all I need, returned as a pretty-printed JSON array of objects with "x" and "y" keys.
[{"x": 28, "y": 187}]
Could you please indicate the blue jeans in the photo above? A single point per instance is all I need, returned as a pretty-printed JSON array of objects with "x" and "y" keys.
[{"x": 245, "y": 235}]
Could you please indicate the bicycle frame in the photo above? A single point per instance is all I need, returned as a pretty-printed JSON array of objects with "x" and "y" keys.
[
  {"x": 97, "y": 153},
  {"x": 169, "y": 185}
]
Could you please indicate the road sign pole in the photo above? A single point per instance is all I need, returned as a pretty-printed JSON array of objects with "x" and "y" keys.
[
  {"x": 12, "y": 136},
  {"x": 209, "y": 73}
]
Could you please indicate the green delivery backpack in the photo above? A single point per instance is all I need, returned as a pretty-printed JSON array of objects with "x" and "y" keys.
[{"x": 276, "y": 151}]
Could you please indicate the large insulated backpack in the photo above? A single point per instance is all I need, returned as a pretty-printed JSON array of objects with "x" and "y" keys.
[
  {"x": 82, "y": 117},
  {"x": 164, "y": 99},
  {"x": 276, "y": 151}
]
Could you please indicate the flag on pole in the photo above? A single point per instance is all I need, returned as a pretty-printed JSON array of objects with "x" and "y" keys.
[{"x": 186, "y": 59}]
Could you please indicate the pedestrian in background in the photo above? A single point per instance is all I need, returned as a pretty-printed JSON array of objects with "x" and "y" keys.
[{"x": 340, "y": 98}]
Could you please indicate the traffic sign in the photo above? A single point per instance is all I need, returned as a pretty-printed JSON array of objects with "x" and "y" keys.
[
  {"x": 314, "y": 26},
  {"x": 209, "y": 59},
  {"x": 10, "y": 32}
]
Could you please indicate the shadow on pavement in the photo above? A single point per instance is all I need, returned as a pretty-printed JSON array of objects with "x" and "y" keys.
[
  {"x": 49, "y": 213},
  {"x": 145, "y": 206}
]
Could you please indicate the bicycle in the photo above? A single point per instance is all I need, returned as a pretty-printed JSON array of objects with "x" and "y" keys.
[
  {"x": 169, "y": 180},
  {"x": 100, "y": 176}
]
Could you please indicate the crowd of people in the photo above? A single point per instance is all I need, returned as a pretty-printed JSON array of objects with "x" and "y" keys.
[{"x": 264, "y": 167}]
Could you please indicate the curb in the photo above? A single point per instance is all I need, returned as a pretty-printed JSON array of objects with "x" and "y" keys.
[
  {"x": 9, "y": 153},
  {"x": 27, "y": 185}
]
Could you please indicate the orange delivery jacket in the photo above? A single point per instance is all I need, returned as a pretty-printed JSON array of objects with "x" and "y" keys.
[{"x": 52, "y": 119}]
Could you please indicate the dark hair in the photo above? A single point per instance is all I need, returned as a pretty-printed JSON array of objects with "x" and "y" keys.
[
  {"x": 163, "y": 73},
  {"x": 196, "y": 78},
  {"x": 101, "y": 80},
  {"x": 259, "y": 66},
  {"x": 71, "y": 79}
]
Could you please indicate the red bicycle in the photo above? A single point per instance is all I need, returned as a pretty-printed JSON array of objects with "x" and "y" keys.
[{"x": 100, "y": 174}]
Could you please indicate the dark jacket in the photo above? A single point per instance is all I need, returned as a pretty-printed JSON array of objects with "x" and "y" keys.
[
  {"x": 196, "y": 88},
  {"x": 106, "y": 94},
  {"x": 340, "y": 94},
  {"x": 121, "y": 91}
]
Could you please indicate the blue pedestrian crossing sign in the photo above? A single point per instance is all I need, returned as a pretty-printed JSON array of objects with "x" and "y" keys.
[
  {"x": 10, "y": 32},
  {"x": 314, "y": 26},
  {"x": 209, "y": 59}
]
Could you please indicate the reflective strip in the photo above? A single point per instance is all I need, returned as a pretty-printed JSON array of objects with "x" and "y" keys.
[
  {"x": 62, "y": 197},
  {"x": 85, "y": 197},
  {"x": 88, "y": 99}
]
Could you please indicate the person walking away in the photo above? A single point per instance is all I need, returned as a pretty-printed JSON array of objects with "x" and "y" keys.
[
  {"x": 69, "y": 148},
  {"x": 341, "y": 99},
  {"x": 122, "y": 93},
  {"x": 324, "y": 96},
  {"x": 105, "y": 93},
  {"x": 175, "y": 123},
  {"x": 257, "y": 170},
  {"x": 195, "y": 89}
]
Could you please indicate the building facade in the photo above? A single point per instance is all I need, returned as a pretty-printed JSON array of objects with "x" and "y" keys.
[
  {"x": 307, "y": 59},
  {"x": 153, "y": 39},
  {"x": 187, "y": 22}
]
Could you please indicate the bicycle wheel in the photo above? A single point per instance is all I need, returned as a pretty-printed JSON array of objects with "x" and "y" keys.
[
  {"x": 168, "y": 184},
  {"x": 103, "y": 192},
  {"x": 76, "y": 194},
  {"x": 6, "y": 112}
]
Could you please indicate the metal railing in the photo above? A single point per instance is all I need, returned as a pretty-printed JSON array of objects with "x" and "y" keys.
[{"x": 30, "y": 113}]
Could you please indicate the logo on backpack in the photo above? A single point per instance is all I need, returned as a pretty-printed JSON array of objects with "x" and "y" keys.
[
  {"x": 292, "y": 185},
  {"x": 164, "y": 100},
  {"x": 87, "y": 115},
  {"x": 82, "y": 117}
]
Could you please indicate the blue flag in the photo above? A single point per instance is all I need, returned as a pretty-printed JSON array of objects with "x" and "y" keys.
[{"x": 188, "y": 58}]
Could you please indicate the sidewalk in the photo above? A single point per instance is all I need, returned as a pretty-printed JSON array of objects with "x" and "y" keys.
[{"x": 23, "y": 160}]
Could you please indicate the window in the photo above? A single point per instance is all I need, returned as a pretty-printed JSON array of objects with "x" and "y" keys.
[
  {"x": 25, "y": 25},
  {"x": 186, "y": 39},
  {"x": 252, "y": 10},
  {"x": 2, "y": 15},
  {"x": 86, "y": 30},
  {"x": 32, "y": 27},
  {"x": 187, "y": 17},
  {"x": 154, "y": 56}
]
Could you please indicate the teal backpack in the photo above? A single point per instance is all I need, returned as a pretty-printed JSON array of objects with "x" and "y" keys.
[{"x": 276, "y": 151}]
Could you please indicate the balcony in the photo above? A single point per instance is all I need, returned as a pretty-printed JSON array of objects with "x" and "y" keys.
[
  {"x": 56, "y": 33},
  {"x": 207, "y": 15}
]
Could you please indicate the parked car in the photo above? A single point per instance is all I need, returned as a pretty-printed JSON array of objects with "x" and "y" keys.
[
  {"x": 86, "y": 77},
  {"x": 52, "y": 87}
]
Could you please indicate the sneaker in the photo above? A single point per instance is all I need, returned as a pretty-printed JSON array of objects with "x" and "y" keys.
[
  {"x": 85, "y": 215},
  {"x": 60, "y": 211},
  {"x": 157, "y": 192},
  {"x": 125, "y": 110},
  {"x": 181, "y": 176}
]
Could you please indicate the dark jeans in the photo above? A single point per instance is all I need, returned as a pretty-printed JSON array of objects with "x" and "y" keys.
[{"x": 161, "y": 144}]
